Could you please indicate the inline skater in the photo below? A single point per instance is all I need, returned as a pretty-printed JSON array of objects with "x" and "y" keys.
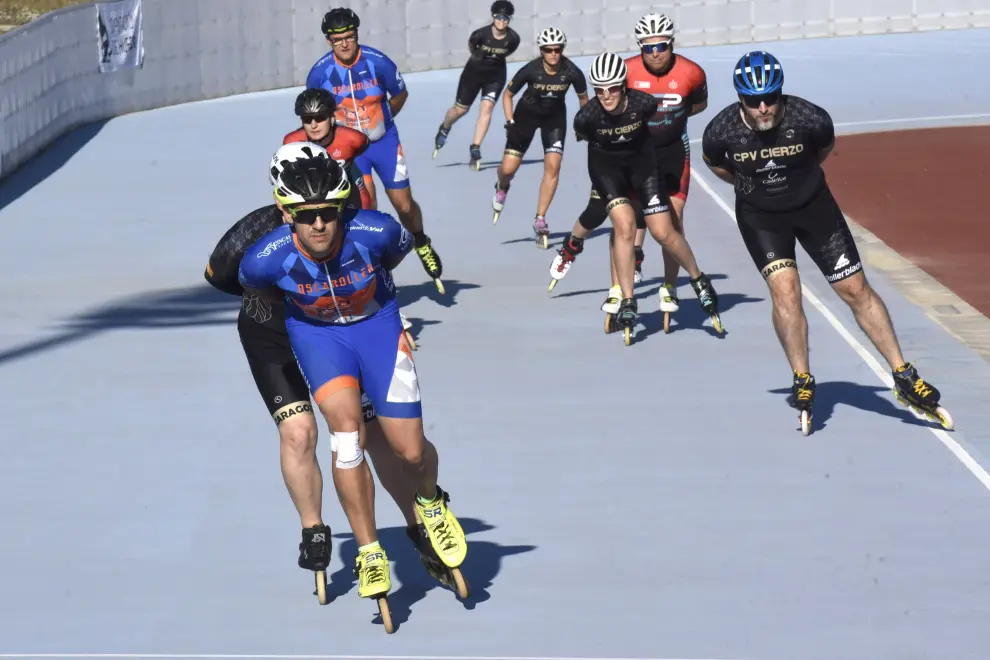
[
  {"x": 621, "y": 163},
  {"x": 770, "y": 146},
  {"x": 315, "y": 109},
  {"x": 483, "y": 73},
  {"x": 681, "y": 89},
  {"x": 542, "y": 106},
  {"x": 369, "y": 92},
  {"x": 331, "y": 266},
  {"x": 265, "y": 342}
]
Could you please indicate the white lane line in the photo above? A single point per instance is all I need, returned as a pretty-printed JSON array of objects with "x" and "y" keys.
[{"x": 957, "y": 450}]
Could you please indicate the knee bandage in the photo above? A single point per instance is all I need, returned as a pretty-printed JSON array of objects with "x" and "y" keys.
[{"x": 347, "y": 446}]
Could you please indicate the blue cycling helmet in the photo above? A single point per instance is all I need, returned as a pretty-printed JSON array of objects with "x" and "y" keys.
[{"x": 758, "y": 72}]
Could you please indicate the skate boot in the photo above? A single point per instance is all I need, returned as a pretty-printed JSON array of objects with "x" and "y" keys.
[
  {"x": 624, "y": 320},
  {"x": 449, "y": 577},
  {"x": 314, "y": 555},
  {"x": 498, "y": 201},
  {"x": 374, "y": 580},
  {"x": 475, "y": 163},
  {"x": 430, "y": 260},
  {"x": 803, "y": 398},
  {"x": 440, "y": 139},
  {"x": 406, "y": 326},
  {"x": 708, "y": 299},
  {"x": 669, "y": 303},
  {"x": 445, "y": 533},
  {"x": 911, "y": 390},
  {"x": 640, "y": 255},
  {"x": 566, "y": 255},
  {"x": 542, "y": 230},
  {"x": 611, "y": 304}
]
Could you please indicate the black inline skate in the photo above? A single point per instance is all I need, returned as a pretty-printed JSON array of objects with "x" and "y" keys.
[
  {"x": 432, "y": 563},
  {"x": 440, "y": 139},
  {"x": 911, "y": 390},
  {"x": 709, "y": 300},
  {"x": 803, "y": 398},
  {"x": 640, "y": 256},
  {"x": 430, "y": 259},
  {"x": 314, "y": 555},
  {"x": 475, "y": 163},
  {"x": 624, "y": 320}
]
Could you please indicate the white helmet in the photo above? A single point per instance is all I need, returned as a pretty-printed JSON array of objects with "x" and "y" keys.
[
  {"x": 654, "y": 25},
  {"x": 291, "y": 152},
  {"x": 608, "y": 69},
  {"x": 551, "y": 36}
]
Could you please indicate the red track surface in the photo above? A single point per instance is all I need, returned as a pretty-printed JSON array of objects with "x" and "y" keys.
[{"x": 926, "y": 194}]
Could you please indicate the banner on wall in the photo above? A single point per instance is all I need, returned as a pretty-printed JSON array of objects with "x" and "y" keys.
[{"x": 121, "y": 35}]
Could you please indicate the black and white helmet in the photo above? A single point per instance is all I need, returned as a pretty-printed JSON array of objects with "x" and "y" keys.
[
  {"x": 654, "y": 25},
  {"x": 608, "y": 69},
  {"x": 290, "y": 153},
  {"x": 551, "y": 36},
  {"x": 312, "y": 181}
]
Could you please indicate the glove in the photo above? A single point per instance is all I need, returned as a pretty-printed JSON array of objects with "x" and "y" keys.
[{"x": 509, "y": 123}]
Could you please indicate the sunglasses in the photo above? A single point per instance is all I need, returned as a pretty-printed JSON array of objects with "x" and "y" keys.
[
  {"x": 337, "y": 41},
  {"x": 552, "y": 50},
  {"x": 613, "y": 90},
  {"x": 648, "y": 49},
  {"x": 309, "y": 216},
  {"x": 309, "y": 119},
  {"x": 755, "y": 101},
  {"x": 500, "y": 17}
]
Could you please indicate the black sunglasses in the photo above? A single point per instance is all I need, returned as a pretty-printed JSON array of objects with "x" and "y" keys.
[
  {"x": 308, "y": 119},
  {"x": 308, "y": 216},
  {"x": 755, "y": 101}
]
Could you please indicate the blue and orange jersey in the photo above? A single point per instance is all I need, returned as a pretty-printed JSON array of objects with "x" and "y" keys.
[
  {"x": 361, "y": 89},
  {"x": 351, "y": 285}
]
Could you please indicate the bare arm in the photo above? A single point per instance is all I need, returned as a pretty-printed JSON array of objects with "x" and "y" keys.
[
  {"x": 396, "y": 102},
  {"x": 507, "y": 104}
]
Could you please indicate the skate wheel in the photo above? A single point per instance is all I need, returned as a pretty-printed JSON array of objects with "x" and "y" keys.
[
  {"x": 435, "y": 152},
  {"x": 543, "y": 241},
  {"x": 386, "y": 614},
  {"x": 627, "y": 336},
  {"x": 553, "y": 283},
  {"x": 410, "y": 340},
  {"x": 608, "y": 323},
  {"x": 717, "y": 323},
  {"x": 806, "y": 422},
  {"x": 666, "y": 322},
  {"x": 463, "y": 590},
  {"x": 944, "y": 418},
  {"x": 321, "y": 586},
  {"x": 439, "y": 286},
  {"x": 495, "y": 217}
]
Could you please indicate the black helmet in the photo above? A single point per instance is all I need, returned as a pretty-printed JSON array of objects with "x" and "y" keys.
[
  {"x": 503, "y": 7},
  {"x": 312, "y": 180},
  {"x": 316, "y": 101},
  {"x": 340, "y": 19}
]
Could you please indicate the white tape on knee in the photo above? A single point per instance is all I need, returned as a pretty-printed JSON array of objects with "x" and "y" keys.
[{"x": 348, "y": 448}]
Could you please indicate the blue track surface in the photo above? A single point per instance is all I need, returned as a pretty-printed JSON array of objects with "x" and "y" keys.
[{"x": 653, "y": 501}]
